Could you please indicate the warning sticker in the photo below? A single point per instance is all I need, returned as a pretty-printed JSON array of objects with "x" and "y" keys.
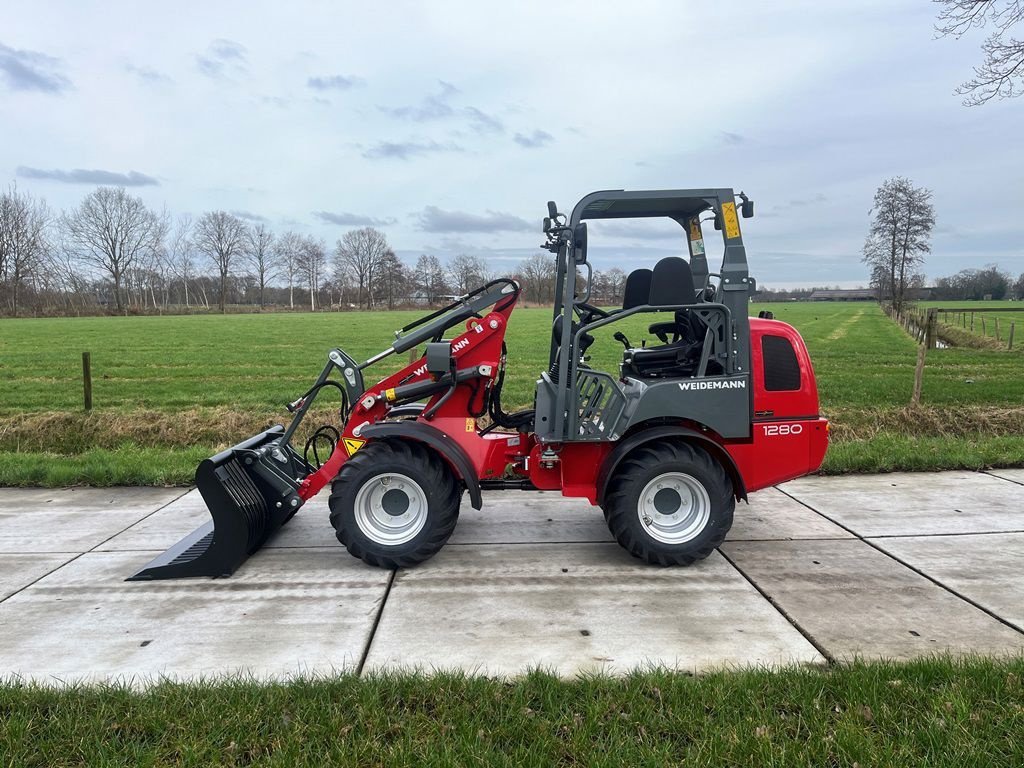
[
  {"x": 353, "y": 444},
  {"x": 732, "y": 224},
  {"x": 471, "y": 425},
  {"x": 696, "y": 238}
]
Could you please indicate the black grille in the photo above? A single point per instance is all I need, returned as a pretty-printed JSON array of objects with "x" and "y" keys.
[{"x": 781, "y": 368}]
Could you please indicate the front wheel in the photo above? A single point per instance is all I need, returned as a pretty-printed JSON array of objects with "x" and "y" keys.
[
  {"x": 394, "y": 503},
  {"x": 670, "y": 503}
]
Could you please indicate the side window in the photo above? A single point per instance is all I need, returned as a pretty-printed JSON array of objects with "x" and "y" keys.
[{"x": 781, "y": 369}]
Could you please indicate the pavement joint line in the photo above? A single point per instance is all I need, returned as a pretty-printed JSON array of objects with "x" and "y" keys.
[
  {"x": 939, "y": 535},
  {"x": 144, "y": 517},
  {"x": 376, "y": 623},
  {"x": 998, "y": 477},
  {"x": 80, "y": 554},
  {"x": 910, "y": 567},
  {"x": 829, "y": 658}
]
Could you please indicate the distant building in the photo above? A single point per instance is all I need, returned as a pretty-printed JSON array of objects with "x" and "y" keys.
[{"x": 854, "y": 294}]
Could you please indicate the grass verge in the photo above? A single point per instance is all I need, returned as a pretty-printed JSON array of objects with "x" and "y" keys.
[{"x": 935, "y": 712}]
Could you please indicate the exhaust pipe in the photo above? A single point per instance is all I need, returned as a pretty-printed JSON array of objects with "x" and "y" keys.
[{"x": 251, "y": 490}]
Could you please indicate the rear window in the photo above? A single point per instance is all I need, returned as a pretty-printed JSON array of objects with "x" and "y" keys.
[{"x": 781, "y": 369}]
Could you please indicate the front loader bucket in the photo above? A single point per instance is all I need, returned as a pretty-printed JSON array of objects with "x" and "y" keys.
[{"x": 249, "y": 496}]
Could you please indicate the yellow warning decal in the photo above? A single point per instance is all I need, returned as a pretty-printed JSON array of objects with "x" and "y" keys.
[
  {"x": 695, "y": 233},
  {"x": 732, "y": 224},
  {"x": 353, "y": 444},
  {"x": 389, "y": 395},
  {"x": 471, "y": 425}
]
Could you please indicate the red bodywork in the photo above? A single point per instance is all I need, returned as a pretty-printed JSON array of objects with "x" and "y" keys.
[{"x": 789, "y": 438}]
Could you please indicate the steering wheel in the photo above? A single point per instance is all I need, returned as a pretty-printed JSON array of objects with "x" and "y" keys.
[{"x": 588, "y": 311}]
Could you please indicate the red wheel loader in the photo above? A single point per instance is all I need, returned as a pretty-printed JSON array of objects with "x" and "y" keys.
[{"x": 723, "y": 405}]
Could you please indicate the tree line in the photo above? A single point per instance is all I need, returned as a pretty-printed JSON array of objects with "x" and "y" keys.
[{"x": 112, "y": 253}]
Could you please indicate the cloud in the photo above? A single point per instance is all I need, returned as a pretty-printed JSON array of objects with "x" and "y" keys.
[
  {"x": 221, "y": 57},
  {"x": 352, "y": 219},
  {"x": 31, "y": 71},
  {"x": 147, "y": 74},
  {"x": 433, "y": 219},
  {"x": 433, "y": 107},
  {"x": 82, "y": 176},
  {"x": 732, "y": 138},
  {"x": 333, "y": 83},
  {"x": 249, "y": 216},
  {"x": 483, "y": 122},
  {"x": 535, "y": 140},
  {"x": 407, "y": 149},
  {"x": 651, "y": 229}
]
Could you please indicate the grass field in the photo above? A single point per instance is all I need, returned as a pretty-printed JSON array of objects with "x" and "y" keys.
[
  {"x": 179, "y": 387},
  {"x": 930, "y": 712}
]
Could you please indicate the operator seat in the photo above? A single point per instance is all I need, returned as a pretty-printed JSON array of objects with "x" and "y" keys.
[
  {"x": 638, "y": 288},
  {"x": 671, "y": 284}
]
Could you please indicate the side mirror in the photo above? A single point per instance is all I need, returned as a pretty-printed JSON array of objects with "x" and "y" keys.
[
  {"x": 579, "y": 242},
  {"x": 547, "y": 224},
  {"x": 552, "y": 209},
  {"x": 718, "y": 222},
  {"x": 747, "y": 209}
]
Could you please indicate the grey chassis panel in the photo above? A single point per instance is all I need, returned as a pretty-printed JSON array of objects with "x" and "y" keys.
[
  {"x": 725, "y": 411},
  {"x": 440, "y": 442},
  {"x": 635, "y": 440}
]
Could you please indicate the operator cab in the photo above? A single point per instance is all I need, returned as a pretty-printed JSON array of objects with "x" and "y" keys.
[{"x": 701, "y": 331}]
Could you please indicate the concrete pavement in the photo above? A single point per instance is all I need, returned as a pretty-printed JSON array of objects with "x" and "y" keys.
[{"x": 884, "y": 566}]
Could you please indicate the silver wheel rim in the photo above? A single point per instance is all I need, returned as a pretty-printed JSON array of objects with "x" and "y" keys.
[
  {"x": 674, "y": 508},
  {"x": 391, "y": 509}
]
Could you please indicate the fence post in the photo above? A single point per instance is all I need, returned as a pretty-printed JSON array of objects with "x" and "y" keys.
[
  {"x": 87, "y": 379},
  {"x": 1009, "y": 339},
  {"x": 997, "y": 327},
  {"x": 972, "y": 322},
  {"x": 927, "y": 342},
  {"x": 984, "y": 332}
]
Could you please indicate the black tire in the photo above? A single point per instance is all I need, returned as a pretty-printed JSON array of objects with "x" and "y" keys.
[
  {"x": 681, "y": 463},
  {"x": 437, "y": 507}
]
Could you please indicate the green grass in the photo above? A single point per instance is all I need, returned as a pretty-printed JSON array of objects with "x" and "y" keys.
[
  {"x": 985, "y": 321},
  {"x": 157, "y": 380},
  {"x": 934, "y": 712}
]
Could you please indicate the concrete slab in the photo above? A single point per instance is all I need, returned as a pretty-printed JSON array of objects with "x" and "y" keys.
[
  {"x": 285, "y": 613},
  {"x": 522, "y": 517},
  {"x": 772, "y": 515},
  {"x": 1013, "y": 475},
  {"x": 18, "y": 571},
  {"x": 913, "y": 504},
  {"x": 988, "y": 569},
  {"x": 856, "y": 601},
  {"x": 572, "y": 608},
  {"x": 309, "y": 528},
  {"x": 72, "y": 519}
]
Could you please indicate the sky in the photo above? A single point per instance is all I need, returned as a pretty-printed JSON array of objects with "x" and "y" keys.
[{"x": 448, "y": 125}]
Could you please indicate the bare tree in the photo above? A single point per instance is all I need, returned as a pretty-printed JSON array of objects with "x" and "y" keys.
[
  {"x": 537, "y": 274},
  {"x": 899, "y": 237},
  {"x": 361, "y": 251},
  {"x": 262, "y": 257},
  {"x": 394, "y": 278},
  {"x": 312, "y": 261},
  {"x": 1001, "y": 74},
  {"x": 467, "y": 272},
  {"x": 110, "y": 230},
  {"x": 180, "y": 252},
  {"x": 221, "y": 237},
  {"x": 288, "y": 251},
  {"x": 23, "y": 240},
  {"x": 429, "y": 277}
]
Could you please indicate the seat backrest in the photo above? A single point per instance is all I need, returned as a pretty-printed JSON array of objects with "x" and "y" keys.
[
  {"x": 638, "y": 288},
  {"x": 671, "y": 283}
]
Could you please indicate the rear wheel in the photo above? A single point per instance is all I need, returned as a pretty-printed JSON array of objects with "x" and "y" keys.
[
  {"x": 670, "y": 503},
  {"x": 394, "y": 503}
]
